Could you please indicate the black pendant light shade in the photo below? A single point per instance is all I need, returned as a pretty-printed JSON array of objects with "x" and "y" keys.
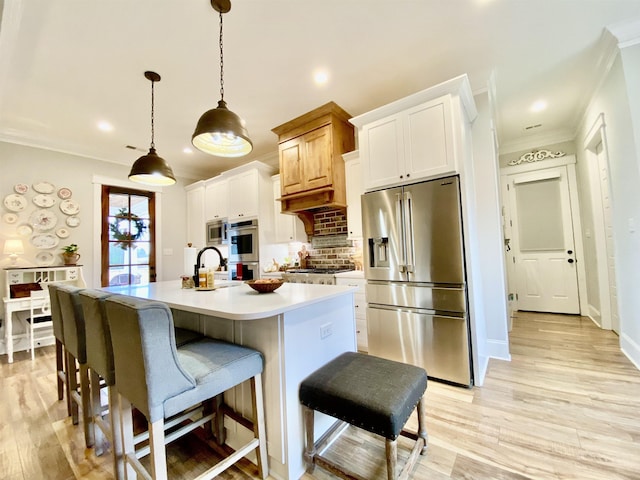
[
  {"x": 151, "y": 169},
  {"x": 220, "y": 131}
]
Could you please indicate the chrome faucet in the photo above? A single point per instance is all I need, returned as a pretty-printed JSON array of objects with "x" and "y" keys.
[{"x": 223, "y": 263}]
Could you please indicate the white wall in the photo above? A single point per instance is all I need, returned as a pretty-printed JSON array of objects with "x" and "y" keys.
[
  {"x": 489, "y": 232},
  {"x": 20, "y": 164},
  {"x": 618, "y": 100}
]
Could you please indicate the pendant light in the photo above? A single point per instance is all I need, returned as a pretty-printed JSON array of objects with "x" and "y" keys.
[
  {"x": 220, "y": 131},
  {"x": 151, "y": 169}
]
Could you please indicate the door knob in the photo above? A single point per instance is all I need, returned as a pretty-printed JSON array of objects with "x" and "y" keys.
[
  {"x": 571, "y": 260},
  {"x": 569, "y": 252}
]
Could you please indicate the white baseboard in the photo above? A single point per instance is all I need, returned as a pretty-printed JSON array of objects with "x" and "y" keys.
[
  {"x": 595, "y": 315},
  {"x": 498, "y": 350},
  {"x": 631, "y": 349}
]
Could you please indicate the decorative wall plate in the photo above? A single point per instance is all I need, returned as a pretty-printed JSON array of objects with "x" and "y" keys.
[
  {"x": 44, "y": 241},
  {"x": 43, "y": 200},
  {"x": 15, "y": 202},
  {"x": 69, "y": 207},
  {"x": 62, "y": 232},
  {"x": 10, "y": 218},
  {"x": 64, "y": 193},
  {"x": 73, "y": 221},
  {"x": 44, "y": 258},
  {"x": 44, "y": 187},
  {"x": 21, "y": 188},
  {"x": 24, "y": 230},
  {"x": 42, "y": 220}
]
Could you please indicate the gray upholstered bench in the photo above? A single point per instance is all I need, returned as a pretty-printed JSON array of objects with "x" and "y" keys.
[{"x": 371, "y": 393}]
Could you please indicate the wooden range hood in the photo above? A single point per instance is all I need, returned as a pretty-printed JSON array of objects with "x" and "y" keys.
[{"x": 311, "y": 166}]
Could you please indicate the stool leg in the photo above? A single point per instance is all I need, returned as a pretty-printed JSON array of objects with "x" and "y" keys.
[
  {"x": 85, "y": 398},
  {"x": 259, "y": 428},
  {"x": 158, "y": 453},
  {"x": 422, "y": 424},
  {"x": 96, "y": 411},
  {"x": 310, "y": 447},
  {"x": 59, "y": 369},
  {"x": 115, "y": 421},
  {"x": 218, "y": 420},
  {"x": 72, "y": 386},
  {"x": 391, "y": 450},
  {"x": 126, "y": 432}
]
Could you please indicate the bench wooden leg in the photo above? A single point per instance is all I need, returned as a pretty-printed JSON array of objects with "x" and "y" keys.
[
  {"x": 422, "y": 424},
  {"x": 391, "y": 451},
  {"x": 309, "y": 449}
]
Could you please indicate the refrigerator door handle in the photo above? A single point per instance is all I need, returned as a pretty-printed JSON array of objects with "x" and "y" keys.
[
  {"x": 408, "y": 233},
  {"x": 399, "y": 225}
]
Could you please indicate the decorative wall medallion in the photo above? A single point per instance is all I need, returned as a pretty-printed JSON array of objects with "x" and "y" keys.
[
  {"x": 64, "y": 193},
  {"x": 42, "y": 220},
  {"x": 10, "y": 218},
  {"x": 62, "y": 232},
  {"x": 536, "y": 156},
  {"x": 73, "y": 221},
  {"x": 43, "y": 200},
  {"x": 21, "y": 188},
  {"x": 44, "y": 241},
  {"x": 24, "y": 230},
  {"x": 44, "y": 187},
  {"x": 15, "y": 202},
  {"x": 69, "y": 207},
  {"x": 44, "y": 258}
]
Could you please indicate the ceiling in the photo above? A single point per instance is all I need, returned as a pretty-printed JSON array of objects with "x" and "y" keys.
[{"x": 66, "y": 65}]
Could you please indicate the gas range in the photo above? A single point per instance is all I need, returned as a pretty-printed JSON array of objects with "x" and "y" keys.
[{"x": 317, "y": 276}]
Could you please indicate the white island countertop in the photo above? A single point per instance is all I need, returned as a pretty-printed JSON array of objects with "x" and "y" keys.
[{"x": 234, "y": 300}]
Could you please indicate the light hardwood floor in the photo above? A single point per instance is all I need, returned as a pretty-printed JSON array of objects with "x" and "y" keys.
[{"x": 565, "y": 407}]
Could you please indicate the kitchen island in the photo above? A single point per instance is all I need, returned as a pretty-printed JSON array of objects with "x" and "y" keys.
[{"x": 298, "y": 328}]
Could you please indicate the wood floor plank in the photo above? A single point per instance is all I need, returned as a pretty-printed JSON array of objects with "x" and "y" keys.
[{"x": 566, "y": 407}]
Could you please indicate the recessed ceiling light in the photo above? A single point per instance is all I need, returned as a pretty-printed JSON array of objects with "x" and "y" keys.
[
  {"x": 538, "y": 105},
  {"x": 187, "y": 150},
  {"x": 105, "y": 126},
  {"x": 321, "y": 77}
]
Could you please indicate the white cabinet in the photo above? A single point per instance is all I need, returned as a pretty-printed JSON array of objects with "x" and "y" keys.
[
  {"x": 414, "y": 144},
  {"x": 196, "y": 228},
  {"x": 244, "y": 195},
  {"x": 353, "y": 175},
  {"x": 360, "y": 307},
  {"x": 216, "y": 199},
  {"x": 288, "y": 228}
]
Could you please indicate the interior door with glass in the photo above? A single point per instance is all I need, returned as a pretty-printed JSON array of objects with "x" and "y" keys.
[{"x": 546, "y": 274}]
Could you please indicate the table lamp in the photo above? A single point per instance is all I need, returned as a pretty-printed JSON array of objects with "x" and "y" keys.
[{"x": 13, "y": 248}]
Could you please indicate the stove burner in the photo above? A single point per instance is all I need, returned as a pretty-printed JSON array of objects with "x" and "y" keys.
[{"x": 321, "y": 271}]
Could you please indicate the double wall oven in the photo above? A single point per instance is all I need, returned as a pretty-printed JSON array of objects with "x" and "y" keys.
[{"x": 243, "y": 241}]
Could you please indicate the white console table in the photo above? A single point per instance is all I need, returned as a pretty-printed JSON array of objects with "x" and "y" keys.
[{"x": 71, "y": 275}]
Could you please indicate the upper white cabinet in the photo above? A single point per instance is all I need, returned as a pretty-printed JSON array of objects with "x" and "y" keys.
[
  {"x": 353, "y": 175},
  {"x": 244, "y": 195},
  {"x": 196, "y": 229},
  {"x": 415, "y": 138},
  {"x": 288, "y": 228},
  {"x": 216, "y": 199}
]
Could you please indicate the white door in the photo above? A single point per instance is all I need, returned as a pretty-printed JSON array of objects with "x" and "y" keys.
[{"x": 546, "y": 274}]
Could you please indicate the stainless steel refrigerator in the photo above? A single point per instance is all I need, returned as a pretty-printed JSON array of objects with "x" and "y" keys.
[{"x": 415, "y": 271}]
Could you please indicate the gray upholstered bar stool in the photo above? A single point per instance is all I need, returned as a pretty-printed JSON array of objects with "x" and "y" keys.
[
  {"x": 100, "y": 361},
  {"x": 58, "y": 332},
  {"x": 76, "y": 347},
  {"x": 101, "y": 369},
  {"x": 161, "y": 381},
  {"x": 371, "y": 393}
]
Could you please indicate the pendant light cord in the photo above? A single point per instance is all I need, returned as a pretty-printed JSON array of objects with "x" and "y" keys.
[
  {"x": 153, "y": 145},
  {"x": 221, "y": 63}
]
